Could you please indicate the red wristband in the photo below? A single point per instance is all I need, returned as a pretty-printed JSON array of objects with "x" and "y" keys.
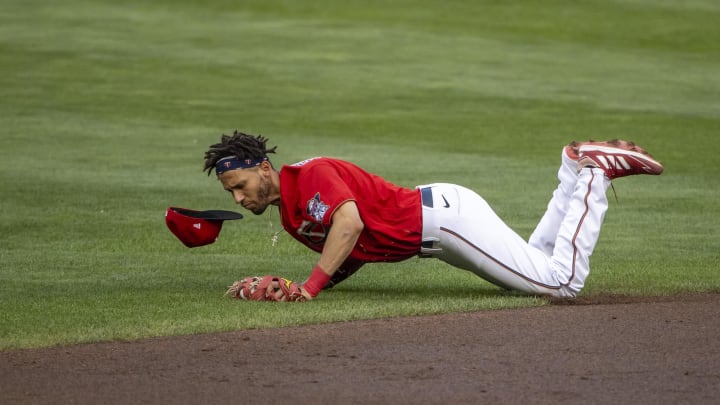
[{"x": 316, "y": 281}]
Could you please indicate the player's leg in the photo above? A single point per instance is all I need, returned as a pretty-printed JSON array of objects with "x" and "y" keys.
[
  {"x": 460, "y": 228},
  {"x": 580, "y": 229},
  {"x": 544, "y": 235},
  {"x": 469, "y": 235}
]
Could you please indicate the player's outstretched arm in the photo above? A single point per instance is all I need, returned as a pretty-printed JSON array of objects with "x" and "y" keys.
[{"x": 344, "y": 233}]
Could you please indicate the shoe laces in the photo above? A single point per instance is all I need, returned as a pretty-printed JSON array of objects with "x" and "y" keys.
[{"x": 612, "y": 185}]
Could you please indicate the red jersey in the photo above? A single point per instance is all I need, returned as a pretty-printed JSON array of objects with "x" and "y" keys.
[{"x": 313, "y": 189}]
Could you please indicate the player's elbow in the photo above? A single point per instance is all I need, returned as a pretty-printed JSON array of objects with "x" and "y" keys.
[
  {"x": 351, "y": 227},
  {"x": 347, "y": 220},
  {"x": 355, "y": 226}
]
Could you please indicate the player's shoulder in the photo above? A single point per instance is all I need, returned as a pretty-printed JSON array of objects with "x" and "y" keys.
[
  {"x": 307, "y": 167},
  {"x": 323, "y": 167},
  {"x": 308, "y": 162},
  {"x": 318, "y": 163}
]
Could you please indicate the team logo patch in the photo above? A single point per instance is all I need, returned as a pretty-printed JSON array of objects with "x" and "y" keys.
[
  {"x": 316, "y": 208},
  {"x": 313, "y": 232}
]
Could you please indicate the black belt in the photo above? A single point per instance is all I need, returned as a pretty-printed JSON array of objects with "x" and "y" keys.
[{"x": 426, "y": 196}]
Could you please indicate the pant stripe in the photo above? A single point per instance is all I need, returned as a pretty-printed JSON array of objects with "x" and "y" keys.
[
  {"x": 504, "y": 266},
  {"x": 579, "y": 227}
]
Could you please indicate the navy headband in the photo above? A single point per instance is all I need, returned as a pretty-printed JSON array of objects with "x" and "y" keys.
[{"x": 232, "y": 163}]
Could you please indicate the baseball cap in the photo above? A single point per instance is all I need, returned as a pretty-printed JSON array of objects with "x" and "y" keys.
[{"x": 197, "y": 228}]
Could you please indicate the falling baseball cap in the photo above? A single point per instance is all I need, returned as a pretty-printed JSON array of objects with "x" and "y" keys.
[{"x": 197, "y": 228}]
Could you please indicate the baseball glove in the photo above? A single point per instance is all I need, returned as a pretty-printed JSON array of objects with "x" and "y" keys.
[{"x": 266, "y": 288}]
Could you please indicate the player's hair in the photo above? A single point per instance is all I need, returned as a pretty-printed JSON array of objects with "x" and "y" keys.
[{"x": 240, "y": 145}]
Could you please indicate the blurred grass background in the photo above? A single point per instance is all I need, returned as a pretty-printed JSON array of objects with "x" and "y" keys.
[{"x": 107, "y": 107}]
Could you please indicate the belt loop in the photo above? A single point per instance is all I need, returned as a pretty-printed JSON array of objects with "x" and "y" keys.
[
  {"x": 426, "y": 196},
  {"x": 430, "y": 247}
]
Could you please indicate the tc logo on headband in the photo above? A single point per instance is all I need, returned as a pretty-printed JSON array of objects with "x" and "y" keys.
[{"x": 231, "y": 163}]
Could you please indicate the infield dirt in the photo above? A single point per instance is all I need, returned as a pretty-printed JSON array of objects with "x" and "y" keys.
[{"x": 601, "y": 349}]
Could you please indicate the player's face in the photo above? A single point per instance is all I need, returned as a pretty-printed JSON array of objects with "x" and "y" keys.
[{"x": 250, "y": 188}]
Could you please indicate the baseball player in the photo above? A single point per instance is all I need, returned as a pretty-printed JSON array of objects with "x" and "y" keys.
[{"x": 352, "y": 217}]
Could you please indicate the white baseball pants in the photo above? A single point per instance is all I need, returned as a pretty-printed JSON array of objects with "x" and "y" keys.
[{"x": 460, "y": 228}]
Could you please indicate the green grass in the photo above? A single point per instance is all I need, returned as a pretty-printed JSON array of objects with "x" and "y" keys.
[{"x": 107, "y": 107}]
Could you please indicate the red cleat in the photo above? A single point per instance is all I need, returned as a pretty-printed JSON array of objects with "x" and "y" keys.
[
  {"x": 573, "y": 148},
  {"x": 617, "y": 158}
]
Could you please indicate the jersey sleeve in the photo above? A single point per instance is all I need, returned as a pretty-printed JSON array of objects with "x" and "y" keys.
[
  {"x": 322, "y": 191},
  {"x": 347, "y": 269}
]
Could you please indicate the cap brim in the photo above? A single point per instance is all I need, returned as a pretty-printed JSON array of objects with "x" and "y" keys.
[{"x": 213, "y": 215}]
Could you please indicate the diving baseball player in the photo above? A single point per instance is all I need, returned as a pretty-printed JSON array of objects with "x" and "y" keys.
[{"x": 352, "y": 217}]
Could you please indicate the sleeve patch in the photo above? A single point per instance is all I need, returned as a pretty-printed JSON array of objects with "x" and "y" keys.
[{"x": 316, "y": 208}]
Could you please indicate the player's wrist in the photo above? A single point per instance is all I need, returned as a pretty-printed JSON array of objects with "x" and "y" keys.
[
  {"x": 305, "y": 294},
  {"x": 317, "y": 280}
]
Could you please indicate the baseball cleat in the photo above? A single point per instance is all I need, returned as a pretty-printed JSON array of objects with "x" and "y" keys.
[
  {"x": 573, "y": 148},
  {"x": 617, "y": 158}
]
